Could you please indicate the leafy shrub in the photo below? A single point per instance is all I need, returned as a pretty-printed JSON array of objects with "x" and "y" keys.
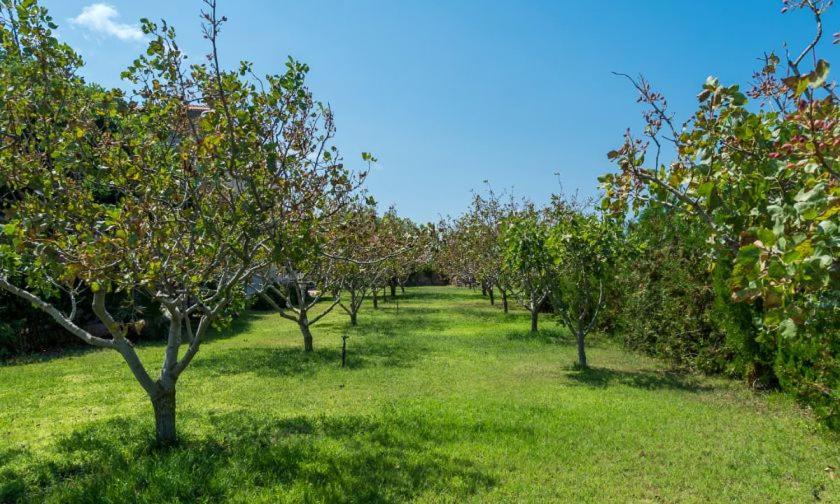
[{"x": 663, "y": 302}]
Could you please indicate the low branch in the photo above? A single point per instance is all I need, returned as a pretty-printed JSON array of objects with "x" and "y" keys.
[{"x": 56, "y": 315}]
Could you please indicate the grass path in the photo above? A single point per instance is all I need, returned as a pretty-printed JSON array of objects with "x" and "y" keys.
[{"x": 446, "y": 400}]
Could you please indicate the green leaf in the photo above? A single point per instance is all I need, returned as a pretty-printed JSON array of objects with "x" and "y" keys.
[
  {"x": 818, "y": 77},
  {"x": 10, "y": 229},
  {"x": 788, "y": 328}
]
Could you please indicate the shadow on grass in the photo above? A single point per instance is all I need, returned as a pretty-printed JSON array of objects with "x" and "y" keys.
[
  {"x": 290, "y": 361},
  {"x": 548, "y": 335},
  {"x": 321, "y": 459},
  {"x": 377, "y": 342},
  {"x": 648, "y": 380}
]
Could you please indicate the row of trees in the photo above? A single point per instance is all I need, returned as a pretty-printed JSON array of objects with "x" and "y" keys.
[
  {"x": 204, "y": 188},
  {"x": 556, "y": 258},
  {"x": 723, "y": 259},
  {"x": 199, "y": 189},
  {"x": 351, "y": 255}
]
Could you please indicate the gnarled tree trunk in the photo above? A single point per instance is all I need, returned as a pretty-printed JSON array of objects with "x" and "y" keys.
[
  {"x": 581, "y": 349},
  {"x": 164, "y": 405},
  {"x": 303, "y": 322}
]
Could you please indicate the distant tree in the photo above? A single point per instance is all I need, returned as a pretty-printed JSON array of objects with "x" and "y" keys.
[
  {"x": 453, "y": 255},
  {"x": 294, "y": 291},
  {"x": 365, "y": 244},
  {"x": 527, "y": 260},
  {"x": 358, "y": 239},
  {"x": 405, "y": 248},
  {"x": 581, "y": 248},
  {"x": 484, "y": 221}
]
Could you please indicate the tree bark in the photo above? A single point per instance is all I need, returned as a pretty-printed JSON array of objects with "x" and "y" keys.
[
  {"x": 402, "y": 288},
  {"x": 504, "y": 300},
  {"x": 353, "y": 320},
  {"x": 535, "y": 311},
  {"x": 483, "y": 290},
  {"x": 164, "y": 406},
  {"x": 492, "y": 298},
  {"x": 343, "y": 350},
  {"x": 393, "y": 289},
  {"x": 307, "y": 334},
  {"x": 375, "y": 298},
  {"x": 581, "y": 349}
]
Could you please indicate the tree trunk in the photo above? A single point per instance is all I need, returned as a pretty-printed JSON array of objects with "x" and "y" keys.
[
  {"x": 402, "y": 288},
  {"x": 535, "y": 311},
  {"x": 492, "y": 298},
  {"x": 307, "y": 334},
  {"x": 353, "y": 320},
  {"x": 164, "y": 406},
  {"x": 393, "y": 289},
  {"x": 343, "y": 350},
  {"x": 375, "y": 298},
  {"x": 483, "y": 290},
  {"x": 581, "y": 349},
  {"x": 504, "y": 300}
]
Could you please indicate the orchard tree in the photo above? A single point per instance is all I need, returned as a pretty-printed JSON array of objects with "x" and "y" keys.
[
  {"x": 367, "y": 244},
  {"x": 454, "y": 255},
  {"x": 360, "y": 276},
  {"x": 296, "y": 290},
  {"x": 192, "y": 192},
  {"x": 581, "y": 248},
  {"x": 527, "y": 260},
  {"x": 403, "y": 249},
  {"x": 762, "y": 175},
  {"x": 484, "y": 220}
]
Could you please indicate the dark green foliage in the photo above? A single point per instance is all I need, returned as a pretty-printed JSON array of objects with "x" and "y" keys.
[
  {"x": 670, "y": 301},
  {"x": 663, "y": 302},
  {"x": 25, "y": 330}
]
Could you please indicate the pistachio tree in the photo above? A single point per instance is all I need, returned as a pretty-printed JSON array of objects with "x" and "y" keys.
[
  {"x": 405, "y": 248},
  {"x": 527, "y": 260},
  {"x": 147, "y": 192},
  {"x": 760, "y": 169},
  {"x": 454, "y": 255},
  {"x": 581, "y": 247},
  {"x": 368, "y": 245},
  {"x": 485, "y": 217}
]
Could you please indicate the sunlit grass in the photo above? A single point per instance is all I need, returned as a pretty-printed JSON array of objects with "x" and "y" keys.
[{"x": 447, "y": 399}]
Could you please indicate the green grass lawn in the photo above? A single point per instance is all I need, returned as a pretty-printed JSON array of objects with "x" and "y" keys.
[{"x": 445, "y": 399}]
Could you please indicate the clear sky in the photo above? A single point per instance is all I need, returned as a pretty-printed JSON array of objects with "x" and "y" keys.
[{"x": 448, "y": 94}]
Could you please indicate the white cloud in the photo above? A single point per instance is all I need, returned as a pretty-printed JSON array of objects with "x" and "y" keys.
[{"x": 101, "y": 18}]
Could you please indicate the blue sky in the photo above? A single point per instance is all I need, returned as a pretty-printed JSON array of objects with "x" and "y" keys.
[{"x": 448, "y": 94}]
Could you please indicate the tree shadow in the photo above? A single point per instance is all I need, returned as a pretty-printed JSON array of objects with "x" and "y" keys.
[
  {"x": 293, "y": 361},
  {"x": 648, "y": 380},
  {"x": 548, "y": 335},
  {"x": 320, "y": 459}
]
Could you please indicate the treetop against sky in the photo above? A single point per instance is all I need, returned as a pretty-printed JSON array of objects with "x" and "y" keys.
[{"x": 449, "y": 94}]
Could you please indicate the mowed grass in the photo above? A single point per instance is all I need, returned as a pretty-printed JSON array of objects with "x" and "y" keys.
[{"x": 445, "y": 399}]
